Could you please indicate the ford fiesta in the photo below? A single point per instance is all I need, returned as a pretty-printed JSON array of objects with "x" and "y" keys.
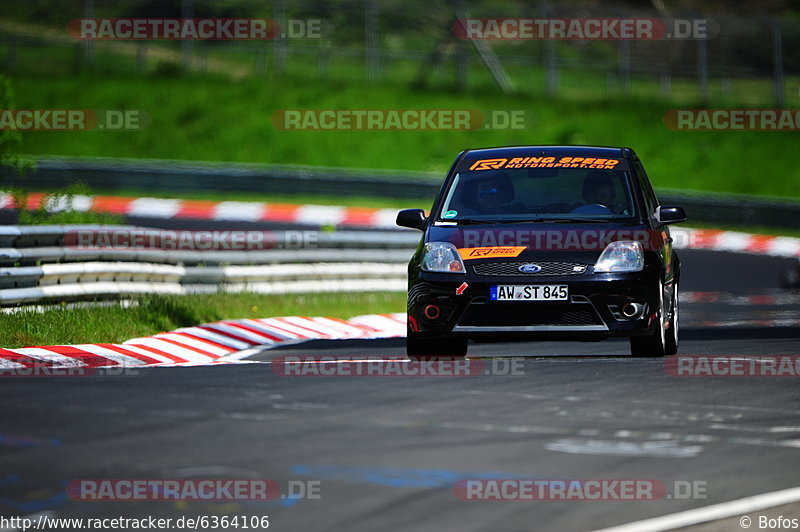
[{"x": 543, "y": 242}]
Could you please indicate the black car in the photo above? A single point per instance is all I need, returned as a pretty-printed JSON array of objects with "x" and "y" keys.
[{"x": 543, "y": 242}]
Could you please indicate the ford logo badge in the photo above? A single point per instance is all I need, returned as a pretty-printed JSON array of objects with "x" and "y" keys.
[{"x": 529, "y": 268}]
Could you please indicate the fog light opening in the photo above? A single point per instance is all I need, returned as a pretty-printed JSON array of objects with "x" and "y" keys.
[
  {"x": 432, "y": 312},
  {"x": 631, "y": 310}
]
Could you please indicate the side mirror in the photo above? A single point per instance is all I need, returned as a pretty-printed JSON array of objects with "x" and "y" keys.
[
  {"x": 670, "y": 215},
  {"x": 413, "y": 218}
]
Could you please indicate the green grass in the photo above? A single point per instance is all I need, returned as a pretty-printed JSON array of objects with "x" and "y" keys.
[
  {"x": 154, "y": 314},
  {"x": 215, "y": 119}
]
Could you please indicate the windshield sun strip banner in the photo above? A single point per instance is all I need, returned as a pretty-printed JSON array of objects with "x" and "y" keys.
[{"x": 566, "y": 161}]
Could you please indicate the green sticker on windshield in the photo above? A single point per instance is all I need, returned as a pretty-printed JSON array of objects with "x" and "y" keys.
[{"x": 450, "y": 214}]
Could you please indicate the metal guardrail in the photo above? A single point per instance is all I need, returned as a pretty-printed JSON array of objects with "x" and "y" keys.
[
  {"x": 186, "y": 176},
  {"x": 31, "y": 245},
  {"x": 39, "y": 267}
]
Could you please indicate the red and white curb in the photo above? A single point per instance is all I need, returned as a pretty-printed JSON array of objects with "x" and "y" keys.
[
  {"x": 736, "y": 242},
  {"x": 239, "y": 211},
  {"x": 773, "y": 298},
  {"x": 224, "y": 341},
  {"x": 318, "y": 215}
]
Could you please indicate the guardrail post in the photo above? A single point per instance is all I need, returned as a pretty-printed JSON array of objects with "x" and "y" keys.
[
  {"x": 279, "y": 48},
  {"x": 187, "y": 45},
  {"x": 777, "y": 62},
  {"x": 371, "y": 51},
  {"x": 702, "y": 69}
]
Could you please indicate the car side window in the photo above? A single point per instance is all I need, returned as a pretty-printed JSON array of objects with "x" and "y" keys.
[{"x": 650, "y": 200}]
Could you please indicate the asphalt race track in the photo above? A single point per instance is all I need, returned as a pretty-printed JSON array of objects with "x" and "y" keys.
[{"x": 386, "y": 452}]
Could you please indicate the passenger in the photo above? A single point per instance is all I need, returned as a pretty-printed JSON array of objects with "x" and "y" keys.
[{"x": 492, "y": 195}]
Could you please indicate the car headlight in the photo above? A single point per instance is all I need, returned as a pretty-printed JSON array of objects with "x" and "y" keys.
[
  {"x": 621, "y": 256},
  {"x": 442, "y": 257}
]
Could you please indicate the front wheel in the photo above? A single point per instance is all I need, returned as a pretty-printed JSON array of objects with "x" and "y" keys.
[
  {"x": 438, "y": 347},
  {"x": 671, "y": 345},
  {"x": 655, "y": 343}
]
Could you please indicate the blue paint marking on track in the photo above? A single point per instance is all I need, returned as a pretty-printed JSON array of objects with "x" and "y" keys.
[
  {"x": 8, "y": 440},
  {"x": 396, "y": 477},
  {"x": 34, "y": 505},
  {"x": 9, "y": 479}
]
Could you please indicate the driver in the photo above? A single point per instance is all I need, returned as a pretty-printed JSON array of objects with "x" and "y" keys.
[
  {"x": 598, "y": 189},
  {"x": 492, "y": 194},
  {"x": 488, "y": 196}
]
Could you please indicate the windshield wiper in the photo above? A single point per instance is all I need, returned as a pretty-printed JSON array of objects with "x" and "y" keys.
[
  {"x": 573, "y": 220},
  {"x": 468, "y": 221}
]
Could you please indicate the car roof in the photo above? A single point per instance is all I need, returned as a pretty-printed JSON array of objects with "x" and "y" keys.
[{"x": 546, "y": 150}]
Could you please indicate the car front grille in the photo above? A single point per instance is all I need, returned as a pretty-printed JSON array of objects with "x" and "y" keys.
[
  {"x": 512, "y": 268},
  {"x": 521, "y": 314}
]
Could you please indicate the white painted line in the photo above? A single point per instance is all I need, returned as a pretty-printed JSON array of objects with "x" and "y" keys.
[
  {"x": 8, "y": 364},
  {"x": 784, "y": 246},
  {"x": 385, "y": 218},
  {"x": 42, "y": 354},
  {"x": 193, "y": 342},
  {"x": 172, "y": 349},
  {"x": 710, "y": 513},
  {"x": 319, "y": 215},
  {"x": 119, "y": 358},
  {"x": 78, "y": 203},
  {"x": 241, "y": 334},
  {"x": 261, "y": 336},
  {"x": 145, "y": 352},
  {"x": 388, "y": 326},
  {"x": 292, "y": 328},
  {"x": 238, "y": 210},
  {"x": 155, "y": 207},
  {"x": 206, "y": 332},
  {"x": 310, "y": 323},
  {"x": 346, "y": 330},
  {"x": 269, "y": 329},
  {"x": 732, "y": 241}
]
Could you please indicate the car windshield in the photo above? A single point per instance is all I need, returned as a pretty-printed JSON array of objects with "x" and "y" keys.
[{"x": 497, "y": 190}]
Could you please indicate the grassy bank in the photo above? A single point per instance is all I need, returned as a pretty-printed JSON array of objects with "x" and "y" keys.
[
  {"x": 151, "y": 315},
  {"x": 217, "y": 119}
]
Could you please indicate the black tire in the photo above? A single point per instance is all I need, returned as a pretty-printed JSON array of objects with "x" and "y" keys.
[
  {"x": 440, "y": 347},
  {"x": 654, "y": 344}
]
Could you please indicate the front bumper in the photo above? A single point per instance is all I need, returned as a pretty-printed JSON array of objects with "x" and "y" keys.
[{"x": 593, "y": 310}]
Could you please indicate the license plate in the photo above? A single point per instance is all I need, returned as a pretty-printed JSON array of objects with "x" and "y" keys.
[{"x": 530, "y": 292}]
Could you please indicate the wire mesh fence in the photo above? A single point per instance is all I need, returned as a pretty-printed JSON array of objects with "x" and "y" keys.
[{"x": 743, "y": 60}]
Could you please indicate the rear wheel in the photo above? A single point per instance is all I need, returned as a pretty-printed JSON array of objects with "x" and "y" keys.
[
  {"x": 655, "y": 343},
  {"x": 438, "y": 347}
]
